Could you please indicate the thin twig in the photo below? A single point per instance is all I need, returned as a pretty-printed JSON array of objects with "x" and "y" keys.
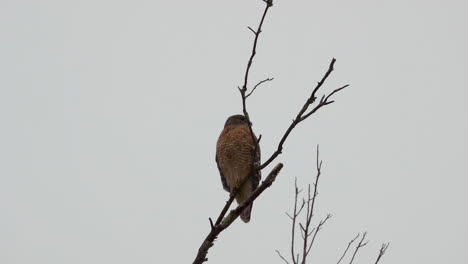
[
  {"x": 347, "y": 248},
  {"x": 258, "y": 84},
  {"x": 360, "y": 245},
  {"x": 310, "y": 208},
  {"x": 383, "y": 248},
  {"x": 296, "y": 212},
  {"x": 302, "y": 115},
  {"x": 317, "y": 229},
  {"x": 211, "y": 223},
  {"x": 293, "y": 232},
  {"x": 243, "y": 90},
  {"x": 307, "y": 224},
  {"x": 226, "y": 207},
  {"x": 281, "y": 256},
  {"x": 305, "y": 227}
]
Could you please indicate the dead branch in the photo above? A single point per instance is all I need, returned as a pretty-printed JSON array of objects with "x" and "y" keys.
[
  {"x": 360, "y": 245},
  {"x": 310, "y": 210},
  {"x": 243, "y": 90},
  {"x": 347, "y": 248},
  {"x": 226, "y": 207},
  {"x": 302, "y": 115},
  {"x": 281, "y": 256},
  {"x": 258, "y": 84},
  {"x": 294, "y": 218},
  {"x": 317, "y": 229},
  {"x": 383, "y": 248},
  {"x": 308, "y": 235},
  {"x": 229, "y": 219}
]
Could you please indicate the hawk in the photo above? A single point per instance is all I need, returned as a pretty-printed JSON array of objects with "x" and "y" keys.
[{"x": 236, "y": 158}]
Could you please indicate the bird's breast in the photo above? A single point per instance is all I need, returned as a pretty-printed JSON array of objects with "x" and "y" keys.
[{"x": 234, "y": 150}]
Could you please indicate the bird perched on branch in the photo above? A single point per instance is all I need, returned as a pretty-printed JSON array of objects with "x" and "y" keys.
[{"x": 236, "y": 157}]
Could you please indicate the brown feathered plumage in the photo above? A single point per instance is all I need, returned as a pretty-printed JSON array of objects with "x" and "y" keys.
[{"x": 235, "y": 157}]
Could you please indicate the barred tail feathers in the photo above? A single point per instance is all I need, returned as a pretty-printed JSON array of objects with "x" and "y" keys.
[
  {"x": 244, "y": 193},
  {"x": 245, "y": 215}
]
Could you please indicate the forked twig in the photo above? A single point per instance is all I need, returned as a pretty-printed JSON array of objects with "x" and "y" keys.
[
  {"x": 347, "y": 248},
  {"x": 359, "y": 246},
  {"x": 302, "y": 115},
  {"x": 243, "y": 90},
  {"x": 308, "y": 235},
  {"x": 233, "y": 215},
  {"x": 383, "y": 248}
]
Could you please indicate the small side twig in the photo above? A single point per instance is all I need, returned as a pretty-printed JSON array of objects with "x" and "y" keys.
[
  {"x": 296, "y": 213},
  {"x": 360, "y": 245},
  {"x": 226, "y": 207},
  {"x": 243, "y": 90},
  {"x": 302, "y": 115},
  {"x": 310, "y": 210},
  {"x": 308, "y": 233},
  {"x": 383, "y": 248},
  {"x": 347, "y": 248},
  {"x": 317, "y": 229},
  {"x": 211, "y": 222},
  {"x": 281, "y": 256},
  {"x": 258, "y": 84}
]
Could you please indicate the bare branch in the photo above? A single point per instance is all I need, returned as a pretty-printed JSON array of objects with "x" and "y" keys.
[
  {"x": 360, "y": 245},
  {"x": 302, "y": 231},
  {"x": 301, "y": 116},
  {"x": 310, "y": 209},
  {"x": 243, "y": 90},
  {"x": 254, "y": 48},
  {"x": 258, "y": 84},
  {"x": 347, "y": 248},
  {"x": 302, "y": 207},
  {"x": 309, "y": 235},
  {"x": 383, "y": 248},
  {"x": 281, "y": 256},
  {"x": 226, "y": 207},
  {"x": 211, "y": 223},
  {"x": 317, "y": 229},
  {"x": 293, "y": 226},
  {"x": 229, "y": 219},
  {"x": 323, "y": 101},
  {"x": 335, "y": 91}
]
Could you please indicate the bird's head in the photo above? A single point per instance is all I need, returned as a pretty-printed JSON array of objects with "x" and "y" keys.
[{"x": 236, "y": 120}]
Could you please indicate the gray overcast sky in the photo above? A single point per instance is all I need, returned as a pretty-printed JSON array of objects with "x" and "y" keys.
[{"x": 110, "y": 111}]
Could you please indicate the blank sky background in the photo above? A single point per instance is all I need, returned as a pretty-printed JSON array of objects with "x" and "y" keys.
[{"x": 110, "y": 110}]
